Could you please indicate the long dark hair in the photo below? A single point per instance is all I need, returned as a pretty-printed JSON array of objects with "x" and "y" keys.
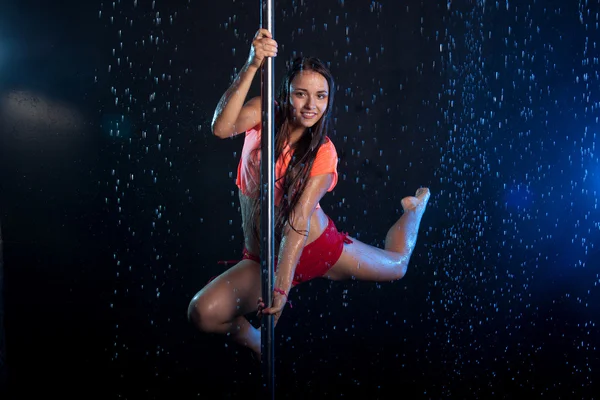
[{"x": 304, "y": 150}]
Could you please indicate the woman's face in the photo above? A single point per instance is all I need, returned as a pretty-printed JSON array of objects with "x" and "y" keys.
[{"x": 309, "y": 95}]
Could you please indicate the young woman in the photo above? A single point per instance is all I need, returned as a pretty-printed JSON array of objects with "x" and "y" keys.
[{"x": 309, "y": 245}]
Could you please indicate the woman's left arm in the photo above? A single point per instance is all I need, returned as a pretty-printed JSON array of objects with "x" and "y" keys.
[{"x": 292, "y": 242}]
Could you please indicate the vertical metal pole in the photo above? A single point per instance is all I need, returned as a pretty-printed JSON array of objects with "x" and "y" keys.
[{"x": 267, "y": 193}]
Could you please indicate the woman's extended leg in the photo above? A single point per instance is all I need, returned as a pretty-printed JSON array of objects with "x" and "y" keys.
[
  {"x": 363, "y": 262},
  {"x": 221, "y": 305}
]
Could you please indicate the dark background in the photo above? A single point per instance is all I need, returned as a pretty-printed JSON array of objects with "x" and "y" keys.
[{"x": 116, "y": 203}]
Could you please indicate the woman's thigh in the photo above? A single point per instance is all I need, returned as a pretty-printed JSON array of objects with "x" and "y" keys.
[
  {"x": 233, "y": 293},
  {"x": 363, "y": 262}
]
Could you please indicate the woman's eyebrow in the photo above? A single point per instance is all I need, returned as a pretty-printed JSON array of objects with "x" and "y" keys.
[{"x": 304, "y": 90}]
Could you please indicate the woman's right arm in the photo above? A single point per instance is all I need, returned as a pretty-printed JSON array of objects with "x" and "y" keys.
[{"x": 232, "y": 116}]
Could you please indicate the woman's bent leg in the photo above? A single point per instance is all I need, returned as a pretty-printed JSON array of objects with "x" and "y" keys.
[
  {"x": 221, "y": 305},
  {"x": 364, "y": 262}
]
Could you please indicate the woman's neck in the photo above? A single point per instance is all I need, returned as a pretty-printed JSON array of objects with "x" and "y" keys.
[{"x": 295, "y": 135}]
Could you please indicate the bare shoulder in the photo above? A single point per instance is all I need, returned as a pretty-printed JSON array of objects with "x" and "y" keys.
[{"x": 253, "y": 103}]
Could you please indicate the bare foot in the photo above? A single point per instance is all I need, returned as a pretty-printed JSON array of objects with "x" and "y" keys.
[{"x": 418, "y": 203}]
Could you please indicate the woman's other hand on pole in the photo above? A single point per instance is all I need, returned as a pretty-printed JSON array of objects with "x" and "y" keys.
[
  {"x": 276, "y": 309},
  {"x": 263, "y": 46}
]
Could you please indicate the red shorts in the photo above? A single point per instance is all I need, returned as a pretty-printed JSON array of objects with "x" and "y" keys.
[{"x": 317, "y": 257}]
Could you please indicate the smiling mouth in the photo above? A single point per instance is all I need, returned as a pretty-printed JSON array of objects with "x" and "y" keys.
[{"x": 309, "y": 115}]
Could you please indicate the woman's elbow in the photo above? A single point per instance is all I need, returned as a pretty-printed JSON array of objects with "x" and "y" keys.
[{"x": 220, "y": 131}]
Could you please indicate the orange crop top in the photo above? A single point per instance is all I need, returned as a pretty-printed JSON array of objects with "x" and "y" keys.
[{"x": 248, "y": 174}]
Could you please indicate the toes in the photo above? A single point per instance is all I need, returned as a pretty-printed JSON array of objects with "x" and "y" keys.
[{"x": 421, "y": 192}]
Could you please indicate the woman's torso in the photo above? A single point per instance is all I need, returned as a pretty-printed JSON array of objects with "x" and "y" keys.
[{"x": 318, "y": 223}]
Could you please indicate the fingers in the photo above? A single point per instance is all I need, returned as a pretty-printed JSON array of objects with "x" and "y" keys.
[
  {"x": 262, "y": 310},
  {"x": 270, "y": 47},
  {"x": 263, "y": 46},
  {"x": 275, "y": 308},
  {"x": 261, "y": 307},
  {"x": 265, "y": 39},
  {"x": 263, "y": 33}
]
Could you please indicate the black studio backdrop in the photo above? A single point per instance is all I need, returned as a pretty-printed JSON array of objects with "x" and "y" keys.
[
  {"x": 117, "y": 203},
  {"x": 3, "y": 366}
]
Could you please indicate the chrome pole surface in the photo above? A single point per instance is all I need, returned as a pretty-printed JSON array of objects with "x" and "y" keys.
[{"x": 267, "y": 195}]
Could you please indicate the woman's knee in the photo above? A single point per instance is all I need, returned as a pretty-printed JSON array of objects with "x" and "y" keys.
[
  {"x": 202, "y": 314},
  {"x": 400, "y": 266}
]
